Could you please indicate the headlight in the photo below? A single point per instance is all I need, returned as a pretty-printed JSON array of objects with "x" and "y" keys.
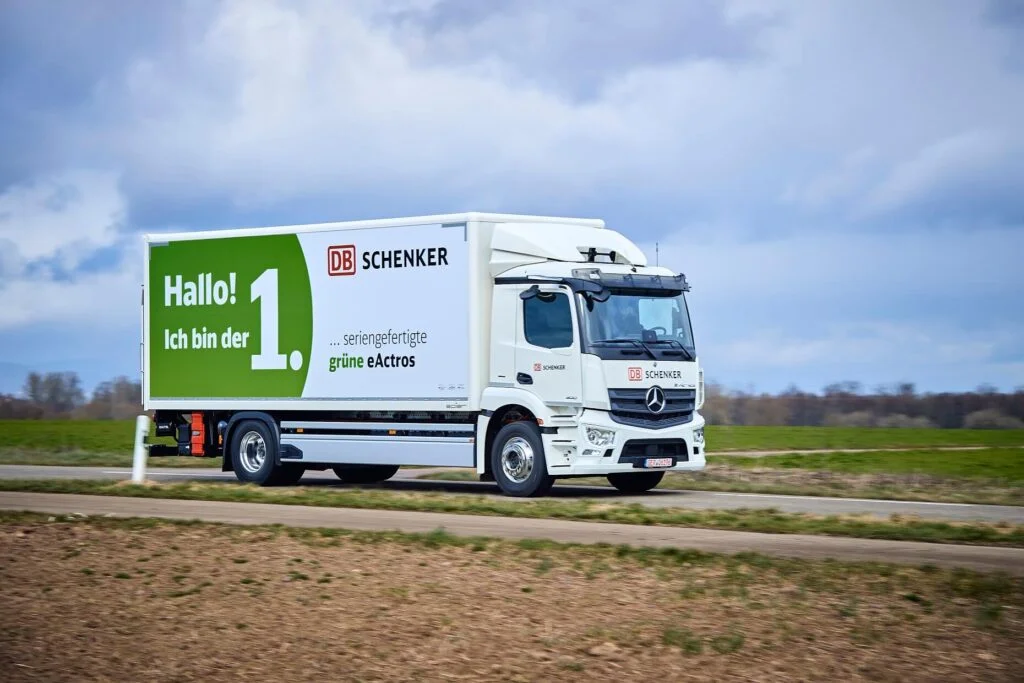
[
  {"x": 600, "y": 437},
  {"x": 698, "y": 435}
]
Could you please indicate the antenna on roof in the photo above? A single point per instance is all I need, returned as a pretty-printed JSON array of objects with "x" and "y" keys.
[{"x": 657, "y": 255}]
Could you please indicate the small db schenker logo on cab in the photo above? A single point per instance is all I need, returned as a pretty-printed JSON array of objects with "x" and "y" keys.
[
  {"x": 636, "y": 374},
  {"x": 341, "y": 260}
]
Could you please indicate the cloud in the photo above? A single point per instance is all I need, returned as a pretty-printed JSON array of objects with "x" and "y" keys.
[
  {"x": 64, "y": 218},
  {"x": 855, "y": 305},
  {"x": 564, "y": 47},
  {"x": 94, "y": 299},
  {"x": 50, "y": 229},
  {"x": 849, "y": 177},
  {"x": 687, "y": 104},
  {"x": 982, "y": 163}
]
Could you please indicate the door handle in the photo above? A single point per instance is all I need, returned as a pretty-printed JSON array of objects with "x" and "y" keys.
[{"x": 523, "y": 378}]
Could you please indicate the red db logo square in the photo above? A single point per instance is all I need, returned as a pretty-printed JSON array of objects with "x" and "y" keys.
[
  {"x": 636, "y": 374},
  {"x": 341, "y": 260}
]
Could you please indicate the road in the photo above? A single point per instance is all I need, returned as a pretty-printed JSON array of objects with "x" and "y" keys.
[
  {"x": 978, "y": 558},
  {"x": 406, "y": 480}
]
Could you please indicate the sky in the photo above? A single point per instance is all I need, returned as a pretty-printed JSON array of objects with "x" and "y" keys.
[{"x": 842, "y": 182}]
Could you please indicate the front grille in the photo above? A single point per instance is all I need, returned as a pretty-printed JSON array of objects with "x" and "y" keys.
[
  {"x": 629, "y": 407},
  {"x": 636, "y": 451}
]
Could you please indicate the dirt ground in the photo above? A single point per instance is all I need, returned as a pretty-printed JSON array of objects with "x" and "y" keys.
[{"x": 101, "y": 600}]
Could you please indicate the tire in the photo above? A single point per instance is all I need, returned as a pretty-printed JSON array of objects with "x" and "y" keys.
[
  {"x": 253, "y": 453},
  {"x": 365, "y": 474},
  {"x": 635, "y": 482},
  {"x": 518, "y": 463}
]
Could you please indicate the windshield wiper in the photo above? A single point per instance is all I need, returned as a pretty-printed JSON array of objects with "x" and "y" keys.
[
  {"x": 683, "y": 351},
  {"x": 626, "y": 340}
]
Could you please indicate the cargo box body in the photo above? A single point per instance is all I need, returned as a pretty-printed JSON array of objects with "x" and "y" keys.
[{"x": 370, "y": 315}]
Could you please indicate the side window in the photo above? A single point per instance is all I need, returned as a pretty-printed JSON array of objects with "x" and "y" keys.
[{"x": 547, "y": 321}]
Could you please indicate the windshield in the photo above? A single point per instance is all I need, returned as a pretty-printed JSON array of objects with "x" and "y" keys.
[{"x": 659, "y": 319}]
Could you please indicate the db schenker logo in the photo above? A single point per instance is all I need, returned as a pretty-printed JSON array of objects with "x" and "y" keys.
[
  {"x": 341, "y": 260},
  {"x": 636, "y": 374}
]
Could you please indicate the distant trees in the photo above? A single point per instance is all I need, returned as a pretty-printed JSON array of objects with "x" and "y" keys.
[
  {"x": 59, "y": 395},
  {"x": 847, "y": 404},
  {"x": 117, "y": 399},
  {"x": 992, "y": 419}
]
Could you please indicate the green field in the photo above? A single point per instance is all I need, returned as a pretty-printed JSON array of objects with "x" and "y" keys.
[
  {"x": 1002, "y": 464},
  {"x": 84, "y": 443},
  {"x": 116, "y": 436},
  {"x": 57, "y": 436},
  {"x": 809, "y": 438}
]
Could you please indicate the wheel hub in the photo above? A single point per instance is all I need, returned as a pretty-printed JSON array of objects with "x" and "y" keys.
[
  {"x": 253, "y": 451},
  {"x": 517, "y": 459}
]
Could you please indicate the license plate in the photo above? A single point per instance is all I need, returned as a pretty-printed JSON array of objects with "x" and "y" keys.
[{"x": 658, "y": 462}]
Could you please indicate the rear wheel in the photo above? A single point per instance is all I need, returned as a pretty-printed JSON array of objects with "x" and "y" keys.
[
  {"x": 365, "y": 474},
  {"x": 517, "y": 461},
  {"x": 635, "y": 482}
]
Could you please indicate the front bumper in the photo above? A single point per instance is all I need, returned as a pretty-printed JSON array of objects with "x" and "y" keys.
[{"x": 570, "y": 454}]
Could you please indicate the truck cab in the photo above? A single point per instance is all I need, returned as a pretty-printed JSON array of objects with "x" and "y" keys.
[{"x": 598, "y": 347}]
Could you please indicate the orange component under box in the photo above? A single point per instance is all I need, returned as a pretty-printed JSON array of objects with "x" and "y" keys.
[{"x": 198, "y": 434}]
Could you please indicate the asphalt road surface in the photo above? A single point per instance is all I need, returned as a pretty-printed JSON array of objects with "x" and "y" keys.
[
  {"x": 978, "y": 558},
  {"x": 406, "y": 480}
]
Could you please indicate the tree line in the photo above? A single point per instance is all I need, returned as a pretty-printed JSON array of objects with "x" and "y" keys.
[
  {"x": 847, "y": 404},
  {"x": 59, "y": 395}
]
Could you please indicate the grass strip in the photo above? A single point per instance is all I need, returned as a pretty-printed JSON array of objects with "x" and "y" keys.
[
  {"x": 751, "y": 438},
  {"x": 794, "y": 482},
  {"x": 756, "y": 520},
  {"x": 80, "y": 458},
  {"x": 998, "y": 464}
]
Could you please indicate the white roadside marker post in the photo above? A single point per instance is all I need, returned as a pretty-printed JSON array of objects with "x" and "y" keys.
[{"x": 140, "y": 453}]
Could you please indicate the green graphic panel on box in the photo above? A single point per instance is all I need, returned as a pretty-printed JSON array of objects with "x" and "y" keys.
[{"x": 229, "y": 318}]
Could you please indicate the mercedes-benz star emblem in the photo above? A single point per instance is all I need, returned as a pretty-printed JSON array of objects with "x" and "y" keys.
[{"x": 655, "y": 399}]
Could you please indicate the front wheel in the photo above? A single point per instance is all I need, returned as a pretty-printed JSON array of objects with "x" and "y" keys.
[
  {"x": 517, "y": 461},
  {"x": 635, "y": 482}
]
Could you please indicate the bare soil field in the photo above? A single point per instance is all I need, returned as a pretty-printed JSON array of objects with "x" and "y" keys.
[{"x": 102, "y": 599}]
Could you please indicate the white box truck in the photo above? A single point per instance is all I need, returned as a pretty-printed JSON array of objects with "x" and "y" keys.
[{"x": 529, "y": 348}]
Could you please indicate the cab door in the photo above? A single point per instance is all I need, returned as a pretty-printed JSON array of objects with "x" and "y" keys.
[{"x": 548, "y": 345}]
